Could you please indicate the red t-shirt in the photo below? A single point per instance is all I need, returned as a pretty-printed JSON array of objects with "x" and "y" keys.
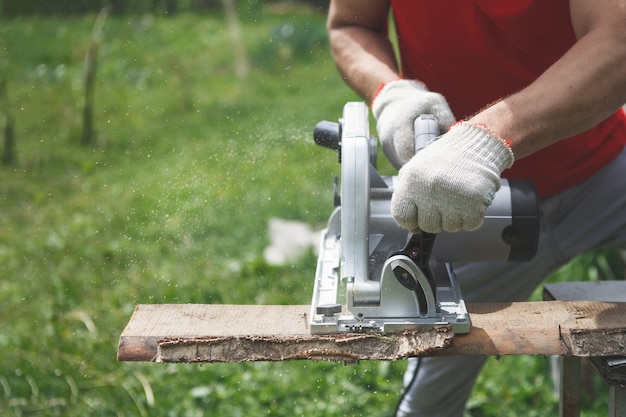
[{"x": 476, "y": 52}]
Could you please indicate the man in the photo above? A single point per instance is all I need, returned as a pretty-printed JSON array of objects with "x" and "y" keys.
[{"x": 523, "y": 89}]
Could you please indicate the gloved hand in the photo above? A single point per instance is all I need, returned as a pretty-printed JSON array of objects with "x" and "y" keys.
[
  {"x": 449, "y": 184},
  {"x": 396, "y": 106}
]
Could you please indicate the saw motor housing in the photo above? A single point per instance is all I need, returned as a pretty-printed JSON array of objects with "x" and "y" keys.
[{"x": 374, "y": 276}]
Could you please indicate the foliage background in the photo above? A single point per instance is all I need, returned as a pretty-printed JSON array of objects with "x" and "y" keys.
[
  {"x": 13, "y": 8},
  {"x": 171, "y": 205}
]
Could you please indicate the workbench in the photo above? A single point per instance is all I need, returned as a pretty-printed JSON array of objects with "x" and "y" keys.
[
  {"x": 611, "y": 367},
  {"x": 580, "y": 320}
]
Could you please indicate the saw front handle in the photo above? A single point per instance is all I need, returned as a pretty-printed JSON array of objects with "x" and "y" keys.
[
  {"x": 328, "y": 134},
  {"x": 425, "y": 128}
]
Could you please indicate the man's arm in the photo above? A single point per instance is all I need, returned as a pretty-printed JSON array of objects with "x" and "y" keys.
[
  {"x": 359, "y": 44},
  {"x": 580, "y": 90}
]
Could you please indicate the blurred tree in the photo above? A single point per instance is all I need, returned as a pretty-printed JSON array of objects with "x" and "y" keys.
[
  {"x": 242, "y": 67},
  {"x": 91, "y": 63},
  {"x": 8, "y": 155}
]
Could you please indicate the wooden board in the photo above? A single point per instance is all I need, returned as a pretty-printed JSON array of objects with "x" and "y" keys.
[
  {"x": 612, "y": 368},
  {"x": 239, "y": 333},
  {"x": 569, "y": 328}
]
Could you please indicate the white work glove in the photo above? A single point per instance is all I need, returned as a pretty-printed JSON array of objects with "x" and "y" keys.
[
  {"x": 396, "y": 106},
  {"x": 449, "y": 184}
]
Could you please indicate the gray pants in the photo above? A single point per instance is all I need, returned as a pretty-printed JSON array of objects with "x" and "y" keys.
[{"x": 588, "y": 216}]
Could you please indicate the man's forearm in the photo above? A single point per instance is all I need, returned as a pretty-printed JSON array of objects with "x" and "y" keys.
[
  {"x": 364, "y": 58},
  {"x": 580, "y": 90}
]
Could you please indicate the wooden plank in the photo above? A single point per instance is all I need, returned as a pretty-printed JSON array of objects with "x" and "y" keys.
[
  {"x": 240, "y": 333},
  {"x": 236, "y": 333},
  {"x": 569, "y": 328},
  {"x": 613, "y": 368}
]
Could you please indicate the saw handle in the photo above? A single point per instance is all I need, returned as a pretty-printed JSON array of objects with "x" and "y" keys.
[
  {"x": 327, "y": 134},
  {"x": 426, "y": 131},
  {"x": 425, "y": 127}
]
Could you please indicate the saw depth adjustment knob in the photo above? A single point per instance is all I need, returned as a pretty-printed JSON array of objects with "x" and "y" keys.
[{"x": 405, "y": 277}]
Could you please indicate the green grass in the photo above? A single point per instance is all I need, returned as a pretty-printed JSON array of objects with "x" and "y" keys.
[{"x": 171, "y": 205}]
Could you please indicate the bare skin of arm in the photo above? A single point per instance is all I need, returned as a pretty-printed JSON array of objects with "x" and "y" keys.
[
  {"x": 578, "y": 91},
  {"x": 360, "y": 46}
]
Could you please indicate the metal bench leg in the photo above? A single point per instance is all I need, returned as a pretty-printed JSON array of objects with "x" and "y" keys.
[
  {"x": 617, "y": 401},
  {"x": 569, "y": 387}
]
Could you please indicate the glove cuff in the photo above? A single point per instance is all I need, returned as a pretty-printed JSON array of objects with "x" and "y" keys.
[
  {"x": 486, "y": 142},
  {"x": 380, "y": 89},
  {"x": 389, "y": 90}
]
